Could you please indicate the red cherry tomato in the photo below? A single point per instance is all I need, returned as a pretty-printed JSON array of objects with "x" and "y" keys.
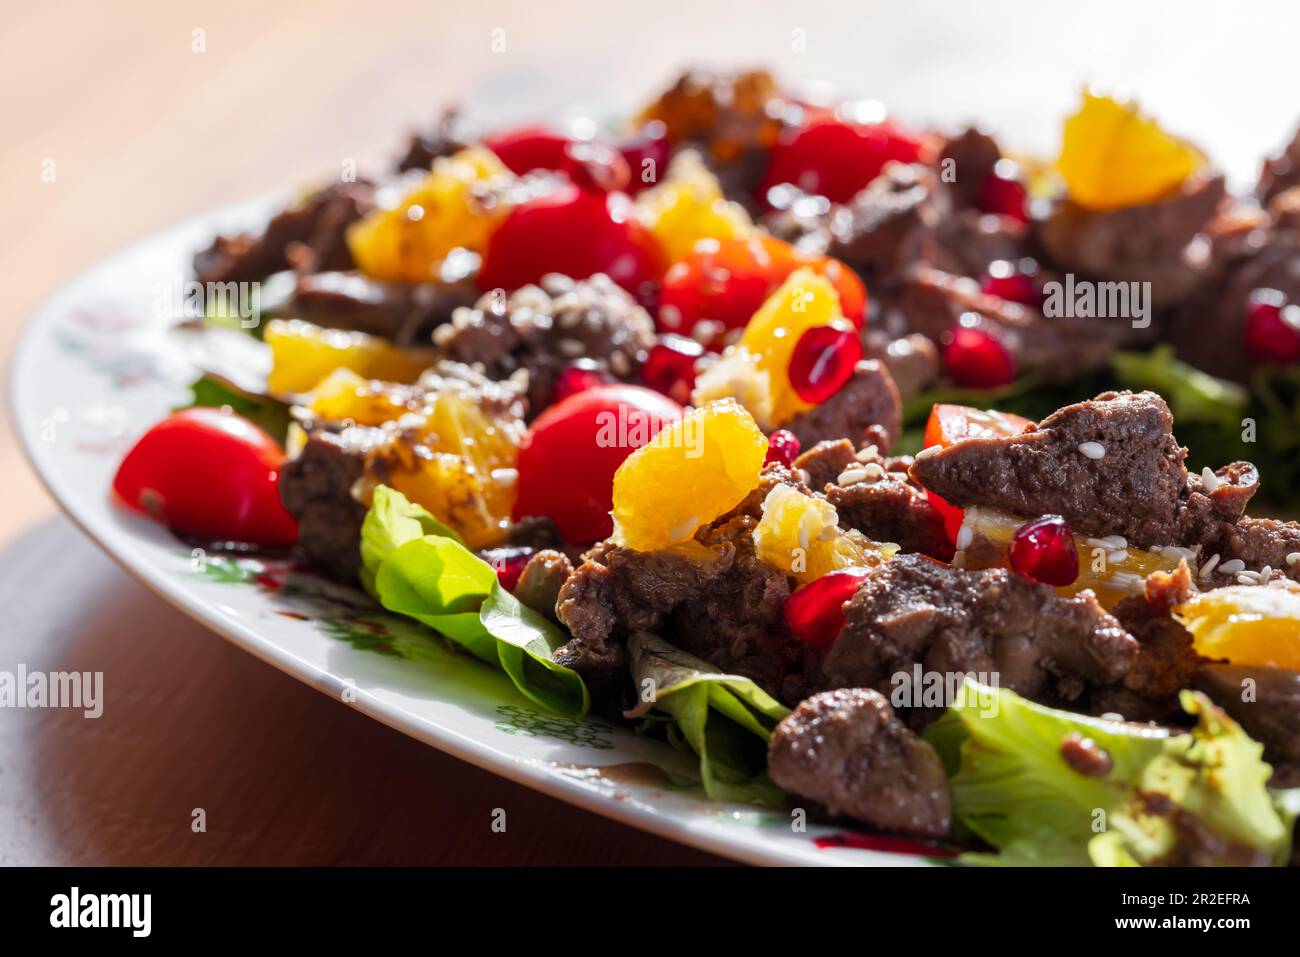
[
  {"x": 834, "y": 158},
  {"x": 727, "y": 281},
  {"x": 589, "y": 164},
  {"x": 209, "y": 473},
  {"x": 952, "y": 423},
  {"x": 568, "y": 458},
  {"x": 576, "y": 233}
]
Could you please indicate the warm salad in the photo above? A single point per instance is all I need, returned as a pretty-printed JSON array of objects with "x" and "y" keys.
[{"x": 838, "y": 452}]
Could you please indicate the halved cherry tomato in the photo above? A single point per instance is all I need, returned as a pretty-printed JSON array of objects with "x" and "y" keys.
[
  {"x": 568, "y": 458},
  {"x": 210, "y": 473},
  {"x": 574, "y": 232},
  {"x": 589, "y": 164},
  {"x": 725, "y": 282},
  {"x": 835, "y": 158},
  {"x": 952, "y": 423}
]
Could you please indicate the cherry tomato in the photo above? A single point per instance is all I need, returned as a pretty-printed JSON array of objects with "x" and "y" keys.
[
  {"x": 589, "y": 164},
  {"x": 835, "y": 158},
  {"x": 209, "y": 473},
  {"x": 952, "y": 423},
  {"x": 576, "y": 233},
  {"x": 568, "y": 458},
  {"x": 726, "y": 281}
]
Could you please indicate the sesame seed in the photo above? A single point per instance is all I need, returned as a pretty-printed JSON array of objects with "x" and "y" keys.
[
  {"x": 1209, "y": 480},
  {"x": 1247, "y": 578},
  {"x": 1209, "y": 566},
  {"x": 965, "y": 537},
  {"x": 1092, "y": 450},
  {"x": 1265, "y": 574},
  {"x": 851, "y": 477},
  {"x": 875, "y": 471},
  {"x": 1233, "y": 567},
  {"x": 1117, "y": 557},
  {"x": 1293, "y": 559},
  {"x": 926, "y": 452}
]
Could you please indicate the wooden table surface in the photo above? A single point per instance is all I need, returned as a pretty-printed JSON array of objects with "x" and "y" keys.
[{"x": 150, "y": 112}]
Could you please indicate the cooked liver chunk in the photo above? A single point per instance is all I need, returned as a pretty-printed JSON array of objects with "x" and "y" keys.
[
  {"x": 847, "y": 750},
  {"x": 866, "y": 410},
  {"x": 1138, "y": 488},
  {"x": 913, "y": 610}
]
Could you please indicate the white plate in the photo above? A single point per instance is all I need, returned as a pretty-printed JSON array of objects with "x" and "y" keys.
[{"x": 95, "y": 370}]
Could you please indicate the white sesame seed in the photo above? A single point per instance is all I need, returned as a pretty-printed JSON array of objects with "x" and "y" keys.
[
  {"x": 965, "y": 537},
  {"x": 851, "y": 477},
  {"x": 1092, "y": 450},
  {"x": 1293, "y": 559},
  {"x": 1128, "y": 581},
  {"x": 1209, "y": 479},
  {"x": 505, "y": 476},
  {"x": 1265, "y": 574},
  {"x": 870, "y": 453},
  {"x": 1117, "y": 557},
  {"x": 1247, "y": 578},
  {"x": 1209, "y": 566},
  {"x": 926, "y": 452},
  {"x": 875, "y": 471},
  {"x": 1233, "y": 567}
]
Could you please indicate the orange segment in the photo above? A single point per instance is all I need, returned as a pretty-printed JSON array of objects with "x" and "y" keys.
[
  {"x": 458, "y": 461},
  {"x": 1113, "y": 156},
  {"x": 303, "y": 354},
  {"x": 1246, "y": 624},
  {"x": 457, "y": 205},
  {"x": 755, "y": 370},
  {"x": 689, "y": 474},
  {"x": 689, "y": 206},
  {"x": 801, "y": 535}
]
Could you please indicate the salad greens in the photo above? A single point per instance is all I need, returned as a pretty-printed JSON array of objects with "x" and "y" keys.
[
  {"x": 270, "y": 414},
  {"x": 1013, "y": 788},
  {"x": 725, "y": 719},
  {"x": 415, "y": 566}
]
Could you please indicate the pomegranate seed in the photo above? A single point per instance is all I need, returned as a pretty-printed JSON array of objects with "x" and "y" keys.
[
  {"x": 670, "y": 366},
  {"x": 508, "y": 563},
  {"x": 1002, "y": 192},
  {"x": 579, "y": 376},
  {"x": 783, "y": 446},
  {"x": 822, "y": 361},
  {"x": 975, "y": 360},
  {"x": 1044, "y": 551},
  {"x": 815, "y": 613},
  {"x": 1014, "y": 282},
  {"x": 1272, "y": 327}
]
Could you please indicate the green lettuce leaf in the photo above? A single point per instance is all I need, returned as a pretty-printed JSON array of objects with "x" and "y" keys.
[
  {"x": 416, "y": 566},
  {"x": 1193, "y": 396},
  {"x": 1013, "y": 789},
  {"x": 725, "y": 719},
  {"x": 270, "y": 414}
]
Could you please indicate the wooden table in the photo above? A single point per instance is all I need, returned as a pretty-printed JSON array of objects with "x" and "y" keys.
[{"x": 152, "y": 112}]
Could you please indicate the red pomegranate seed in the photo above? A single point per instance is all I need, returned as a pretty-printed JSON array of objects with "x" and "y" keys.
[
  {"x": 1015, "y": 282},
  {"x": 579, "y": 376},
  {"x": 1272, "y": 327},
  {"x": 815, "y": 613},
  {"x": 670, "y": 366},
  {"x": 508, "y": 563},
  {"x": 822, "y": 361},
  {"x": 1044, "y": 551},
  {"x": 1002, "y": 192},
  {"x": 783, "y": 446},
  {"x": 975, "y": 360}
]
